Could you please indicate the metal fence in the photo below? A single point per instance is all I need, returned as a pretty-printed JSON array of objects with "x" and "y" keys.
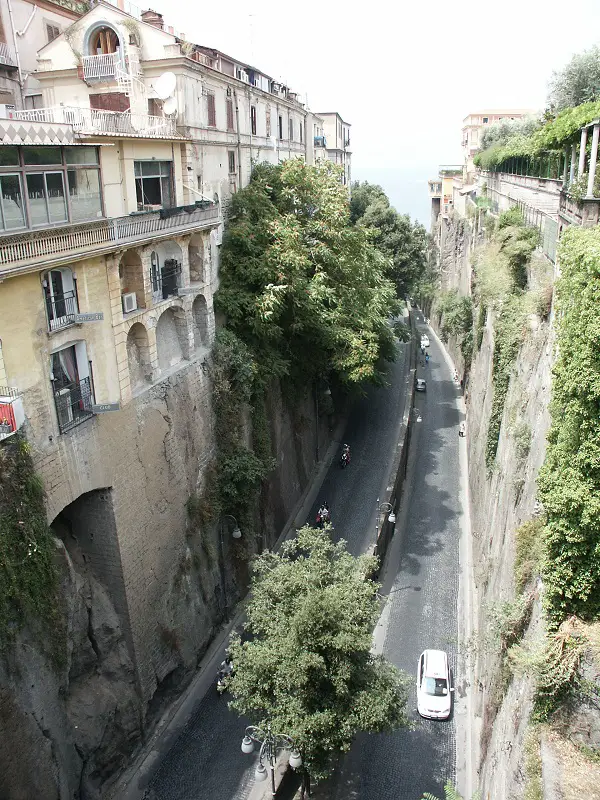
[
  {"x": 547, "y": 226},
  {"x": 74, "y": 404}
]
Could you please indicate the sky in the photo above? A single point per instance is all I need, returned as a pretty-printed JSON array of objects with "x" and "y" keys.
[{"x": 403, "y": 74}]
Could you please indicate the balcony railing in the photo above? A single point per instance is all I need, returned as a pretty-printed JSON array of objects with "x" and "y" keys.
[
  {"x": 102, "y": 67},
  {"x": 73, "y": 404},
  {"x": 21, "y": 250},
  {"x": 98, "y": 121},
  {"x": 11, "y": 411},
  {"x": 584, "y": 212},
  {"x": 320, "y": 141},
  {"x": 61, "y": 308},
  {"x": 6, "y": 56}
]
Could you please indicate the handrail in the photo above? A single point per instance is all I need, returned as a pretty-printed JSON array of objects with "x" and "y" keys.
[{"x": 95, "y": 120}]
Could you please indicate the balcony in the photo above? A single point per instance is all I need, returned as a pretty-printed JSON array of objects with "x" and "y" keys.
[
  {"x": 101, "y": 67},
  {"x": 6, "y": 56},
  {"x": 320, "y": 141},
  {"x": 435, "y": 189},
  {"x": 74, "y": 404},
  {"x": 61, "y": 310},
  {"x": 107, "y": 123},
  {"x": 12, "y": 415},
  {"x": 65, "y": 244},
  {"x": 585, "y": 212}
]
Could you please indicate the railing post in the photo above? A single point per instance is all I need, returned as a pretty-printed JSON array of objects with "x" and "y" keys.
[
  {"x": 582, "y": 146},
  {"x": 593, "y": 159},
  {"x": 573, "y": 162}
]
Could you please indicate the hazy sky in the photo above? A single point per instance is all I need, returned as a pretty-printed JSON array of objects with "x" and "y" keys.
[{"x": 403, "y": 74}]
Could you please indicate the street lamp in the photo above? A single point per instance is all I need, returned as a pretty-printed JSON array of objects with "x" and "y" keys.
[
  {"x": 387, "y": 508},
  {"x": 271, "y": 744},
  {"x": 235, "y": 534}
]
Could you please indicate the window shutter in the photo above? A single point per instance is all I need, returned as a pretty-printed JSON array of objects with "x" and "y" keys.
[
  {"x": 253, "y": 120},
  {"x": 229, "y": 105},
  {"x": 212, "y": 114}
]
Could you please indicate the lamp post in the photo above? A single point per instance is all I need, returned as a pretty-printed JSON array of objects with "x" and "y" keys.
[
  {"x": 271, "y": 744},
  {"x": 235, "y": 534}
]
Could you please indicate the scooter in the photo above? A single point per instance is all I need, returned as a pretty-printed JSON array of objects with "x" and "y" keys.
[
  {"x": 345, "y": 457},
  {"x": 323, "y": 517},
  {"x": 225, "y": 672}
]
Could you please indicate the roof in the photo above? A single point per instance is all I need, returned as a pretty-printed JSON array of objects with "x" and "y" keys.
[
  {"x": 332, "y": 113},
  {"x": 496, "y": 111},
  {"x": 468, "y": 189}
]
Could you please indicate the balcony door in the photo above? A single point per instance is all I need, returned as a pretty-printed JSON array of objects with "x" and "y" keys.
[
  {"x": 61, "y": 298},
  {"x": 71, "y": 385}
]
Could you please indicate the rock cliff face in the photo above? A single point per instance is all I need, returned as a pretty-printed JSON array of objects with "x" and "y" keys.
[{"x": 68, "y": 729}]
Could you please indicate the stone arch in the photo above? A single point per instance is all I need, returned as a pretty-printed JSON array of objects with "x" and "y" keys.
[
  {"x": 102, "y": 37},
  {"x": 166, "y": 262},
  {"x": 200, "y": 315},
  {"x": 171, "y": 336},
  {"x": 138, "y": 357},
  {"x": 131, "y": 276},
  {"x": 196, "y": 258}
]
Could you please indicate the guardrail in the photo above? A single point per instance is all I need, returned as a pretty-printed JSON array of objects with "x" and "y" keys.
[
  {"x": 20, "y": 250},
  {"x": 94, "y": 120}
]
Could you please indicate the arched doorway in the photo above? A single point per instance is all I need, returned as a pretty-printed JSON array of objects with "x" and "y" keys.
[
  {"x": 165, "y": 270},
  {"x": 200, "y": 314},
  {"x": 170, "y": 339},
  {"x": 138, "y": 357}
]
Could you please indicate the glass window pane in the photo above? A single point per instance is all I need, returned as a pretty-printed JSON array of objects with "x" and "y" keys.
[
  {"x": 12, "y": 214},
  {"x": 42, "y": 155},
  {"x": 81, "y": 155},
  {"x": 9, "y": 157},
  {"x": 151, "y": 168},
  {"x": 167, "y": 200},
  {"x": 57, "y": 203},
  {"x": 137, "y": 168},
  {"x": 84, "y": 191},
  {"x": 36, "y": 194}
]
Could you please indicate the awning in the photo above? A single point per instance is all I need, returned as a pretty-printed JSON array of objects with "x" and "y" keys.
[{"x": 468, "y": 189}]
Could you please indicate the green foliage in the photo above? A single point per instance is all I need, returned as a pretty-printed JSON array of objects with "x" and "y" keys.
[
  {"x": 300, "y": 285},
  {"x": 480, "y": 327},
  {"x": 529, "y": 551},
  {"x": 578, "y": 82},
  {"x": 502, "y": 132},
  {"x": 522, "y": 437},
  {"x": 402, "y": 242},
  {"x": 508, "y": 334},
  {"x": 308, "y": 669},
  {"x": 569, "y": 481},
  {"x": 513, "y": 216},
  {"x": 557, "y": 677},
  {"x": 578, "y": 187},
  {"x": 534, "y": 787},
  {"x": 457, "y": 320},
  {"x": 28, "y": 574},
  {"x": 450, "y": 793}
]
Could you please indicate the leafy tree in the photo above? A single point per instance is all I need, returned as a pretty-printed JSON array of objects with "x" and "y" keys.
[
  {"x": 500, "y": 133},
  {"x": 300, "y": 285},
  {"x": 450, "y": 793},
  {"x": 576, "y": 83},
  {"x": 308, "y": 669},
  {"x": 402, "y": 242}
]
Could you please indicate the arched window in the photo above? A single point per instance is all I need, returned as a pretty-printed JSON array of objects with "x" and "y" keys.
[{"x": 103, "y": 41}]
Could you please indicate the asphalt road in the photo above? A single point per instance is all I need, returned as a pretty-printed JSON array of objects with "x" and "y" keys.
[
  {"x": 421, "y": 584},
  {"x": 205, "y": 762}
]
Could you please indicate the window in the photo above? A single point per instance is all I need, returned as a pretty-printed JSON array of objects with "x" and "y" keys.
[
  {"x": 33, "y": 101},
  {"x": 291, "y": 130},
  {"x": 70, "y": 374},
  {"x": 268, "y": 117},
  {"x": 52, "y": 31},
  {"x": 486, "y": 120},
  {"x": 164, "y": 279},
  {"x": 252, "y": 121},
  {"x": 60, "y": 294},
  {"x": 301, "y": 126},
  {"x": 229, "y": 107},
  {"x": 154, "y": 107},
  {"x": 280, "y": 127},
  {"x": 212, "y": 113},
  {"x": 153, "y": 184},
  {"x": 231, "y": 159},
  {"x": 48, "y": 186}
]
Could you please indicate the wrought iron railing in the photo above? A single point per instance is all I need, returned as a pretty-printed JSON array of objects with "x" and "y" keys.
[
  {"x": 19, "y": 250},
  {"x": 6, "y": 56},
  {"x": 60, "y": 309},
  {"x": 100, "y": 67},
  {"x": 95, "y": 120},
  {"x": 73, "y": 404},
  {"x": 8, "y": 422},
  {"x": 165, "y": 279}
]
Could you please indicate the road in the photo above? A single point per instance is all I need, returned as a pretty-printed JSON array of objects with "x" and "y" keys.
[
  {"x": 205, "y": 761},
  {"x": 421, "y": 584}
]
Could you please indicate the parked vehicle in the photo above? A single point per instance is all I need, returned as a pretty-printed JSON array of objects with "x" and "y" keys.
[
  {"x": 424, "y": 340},
  {"x": 420, "y": 385},
  {"x": 434, "y": 692}
]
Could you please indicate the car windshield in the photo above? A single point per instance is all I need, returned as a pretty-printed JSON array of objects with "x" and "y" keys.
[{"x": 437, "y": 687}]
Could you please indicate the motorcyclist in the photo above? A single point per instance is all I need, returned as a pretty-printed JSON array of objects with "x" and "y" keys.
[
  {"x": 345, "y": 457},
  {"x": 225, "y": 671},
  {"x": 323, "y": 515}
]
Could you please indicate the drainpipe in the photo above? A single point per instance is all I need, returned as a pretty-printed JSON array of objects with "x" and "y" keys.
[
  {"x": 14, "y": 37},
  {"x": 239, "y": 140}
]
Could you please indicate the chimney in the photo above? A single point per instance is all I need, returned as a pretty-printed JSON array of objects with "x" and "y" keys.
[{"x": 153, "y": 18}]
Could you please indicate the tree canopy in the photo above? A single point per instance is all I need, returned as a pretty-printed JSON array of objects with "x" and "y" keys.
[
  {"x": 300, "y": 284},
  {"x": 577, "y": 82},
  {"x": 308, "y": 669},
  {"x": 402, "y": 242}
]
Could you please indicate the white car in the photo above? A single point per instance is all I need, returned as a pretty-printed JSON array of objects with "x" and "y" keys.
[
  {"x": 434, "y": 693},
  {"x": 424, "y": 341},
  {"x": 420, "y": 385}
]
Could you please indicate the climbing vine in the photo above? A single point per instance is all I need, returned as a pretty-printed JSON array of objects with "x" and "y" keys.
[
  {"x": 569, "y": 481},
  {"x": 28, "y": 574}
]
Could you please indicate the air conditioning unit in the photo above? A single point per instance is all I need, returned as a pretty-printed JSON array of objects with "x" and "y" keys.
[
  {"x": 6, "y": 111},
  {"x": 129, "y": 302}
]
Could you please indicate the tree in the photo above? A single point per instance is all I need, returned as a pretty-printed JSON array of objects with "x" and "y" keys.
[
  {"x": 578, "y": 82},
  {"x": 450, "y": 793},
  {"x": 308, "y": 669},
  {"x": 402, "y": 242},
  {"x": 500, "y": 133},
  {"x": 300, "y": 285}
]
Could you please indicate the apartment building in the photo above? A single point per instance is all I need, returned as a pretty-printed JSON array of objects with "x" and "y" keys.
[
  {"x": 475, "y": 123},
  {"x": 335, "y": 136},
  {"x": 113, "y": 179}
]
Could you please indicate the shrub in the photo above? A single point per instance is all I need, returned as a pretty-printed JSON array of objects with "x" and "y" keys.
[{"x": 529, "y": 551}]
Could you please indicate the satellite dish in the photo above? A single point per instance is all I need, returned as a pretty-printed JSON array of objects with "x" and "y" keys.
[
  {"x": 165, "y": 85},
  {"x": 170, "y": 106}
]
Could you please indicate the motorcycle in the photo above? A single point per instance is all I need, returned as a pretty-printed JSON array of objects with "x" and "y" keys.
[
  {"x": 225, "y": 672},
  {"x": 323, "y": 517}
]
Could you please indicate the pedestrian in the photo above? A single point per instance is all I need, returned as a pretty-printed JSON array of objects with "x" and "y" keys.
[
  {"x": 427, "y": 358},
  {"x": 461, "y": 384}
]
